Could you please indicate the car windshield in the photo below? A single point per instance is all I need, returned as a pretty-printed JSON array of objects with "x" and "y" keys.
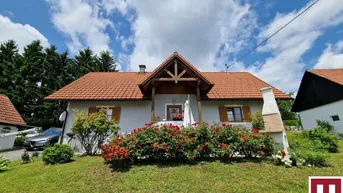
[{"x": 51, "y": 132}]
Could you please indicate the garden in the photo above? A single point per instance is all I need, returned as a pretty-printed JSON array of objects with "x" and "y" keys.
[{"x": 212, "y": 158}]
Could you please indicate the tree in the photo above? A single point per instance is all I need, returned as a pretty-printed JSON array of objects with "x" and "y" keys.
[
  {"x": 91, "y": 130},
  {"x": 285, "y": 107},
  {"x": 28, "y": 77}
]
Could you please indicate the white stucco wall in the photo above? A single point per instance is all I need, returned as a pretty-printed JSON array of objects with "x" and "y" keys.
[
  {"x": 210, "y": 111},
  {"x": 309, "y": 117},
  {"x": 8, "y": 141},
  {"x": 135, "y": 114}
]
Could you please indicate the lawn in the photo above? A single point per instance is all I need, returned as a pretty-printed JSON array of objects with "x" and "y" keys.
[{"x": 89, "y": 174}]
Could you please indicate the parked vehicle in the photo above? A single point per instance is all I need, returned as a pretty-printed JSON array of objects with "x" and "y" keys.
[{"x": 46, "y": 138}]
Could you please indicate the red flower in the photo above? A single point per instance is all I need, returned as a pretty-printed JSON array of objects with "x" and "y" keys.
[
  {"x": 164, "y": 147},
  {"x": 190, "y": 138},
  {"x": 254, "y": 130},
  {"x": 224, "y": 124},
  {"x": 222, "y": 145},
  {"x": 173, "y": 154},
  {"x": 283, "y": 154}
]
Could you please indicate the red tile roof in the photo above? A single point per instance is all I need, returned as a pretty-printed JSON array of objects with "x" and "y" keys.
[
  {"x": 8, "y": 113},
  {"x": 124, "y": 86},
  {"x": 334, "y": 75}
]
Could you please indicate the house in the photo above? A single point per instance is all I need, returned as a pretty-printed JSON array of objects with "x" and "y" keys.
[
  {"x": 10, "y": 119},
  {"x": 135, "y": 97},
  {"x": 320, "y": 97}
]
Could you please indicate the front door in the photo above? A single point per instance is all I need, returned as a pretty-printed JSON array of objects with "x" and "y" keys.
[{"x": 173, "y": 110}]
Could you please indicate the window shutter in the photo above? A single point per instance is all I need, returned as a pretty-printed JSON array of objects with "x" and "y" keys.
[
  {"x": 246, "y": 114},
  {"x": 223, "y": 114},
  {"x": 116, "y": 113},
  {"x": 92, "y": 110}
]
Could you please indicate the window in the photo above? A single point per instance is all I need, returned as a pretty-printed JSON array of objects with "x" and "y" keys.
[
  {"x": 234, "y": 114},
  {"x": 174, "y": 112},
  {"x": 335, "y": 117},
  {"x": 109, "y": 114}
]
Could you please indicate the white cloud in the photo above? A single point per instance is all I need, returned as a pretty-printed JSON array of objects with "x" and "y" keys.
[
  {"x": 22, "y": 34},
  {"x": 82, "y": 22},
  {"x": 284, "y": 68},
  {"x": 332, "y": 57},
  {"x": 196, "y": 30}
]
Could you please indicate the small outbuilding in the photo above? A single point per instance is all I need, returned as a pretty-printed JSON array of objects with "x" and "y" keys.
[{"x": 320, "y": 97}]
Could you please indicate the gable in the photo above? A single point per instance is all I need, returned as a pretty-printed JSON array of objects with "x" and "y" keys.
[
  {"x": 176, "y": 71},
  {"x": 316, "y": 91}
]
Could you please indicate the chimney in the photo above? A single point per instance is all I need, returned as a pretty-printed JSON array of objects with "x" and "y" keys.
[{"x": 142, "y": 69}]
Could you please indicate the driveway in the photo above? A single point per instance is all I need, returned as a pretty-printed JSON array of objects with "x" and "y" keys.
[{"x": 15, "y": 154}]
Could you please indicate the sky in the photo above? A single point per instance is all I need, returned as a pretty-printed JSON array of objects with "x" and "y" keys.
[{"x": 208, "y": 33}]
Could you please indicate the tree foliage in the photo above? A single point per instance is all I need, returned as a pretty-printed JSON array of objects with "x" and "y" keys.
[
  {"x": 285, "y": 107},
  {"x": 27, "y": 77},
  {"x": 91, "y": 130}
]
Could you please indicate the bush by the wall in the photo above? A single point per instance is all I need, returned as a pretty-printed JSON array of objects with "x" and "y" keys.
[
  {"x": 291, "y": 122},
  {"x": 311, "y": 147},
  {"x": 59, "y": 153},
  {"x": 19, "y": 140},
  {"x": 325, "y": 125},
  {"x": 3, "y": 164},
  {"x": 323, "y": 138},
  {"x": 257, "y": 120},
  {"x": 92, "y": 129},
  {"x": 170, "y": 142}
]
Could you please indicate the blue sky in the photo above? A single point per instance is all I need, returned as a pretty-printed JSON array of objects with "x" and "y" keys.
[{"x": 208, "y": 33}]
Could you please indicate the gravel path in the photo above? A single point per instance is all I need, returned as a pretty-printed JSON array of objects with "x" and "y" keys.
[{"x": 15, "y": 154}]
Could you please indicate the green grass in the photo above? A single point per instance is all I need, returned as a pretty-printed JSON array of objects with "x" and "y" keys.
[{"x": 89, "y": 174}]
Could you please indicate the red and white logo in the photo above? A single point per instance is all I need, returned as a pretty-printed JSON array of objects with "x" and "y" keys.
[{"x": 327, "y": 184}]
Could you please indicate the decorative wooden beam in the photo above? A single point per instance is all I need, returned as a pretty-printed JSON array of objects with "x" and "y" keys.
[
  {"x": 182, "y": 73},
  {"x": 178, "y": 79},
  {"x": 171, "y": 74},
  {"x": 175, "y": 69},
  {"x": 153, "y": 103},
  {"x": 199, "y": 103}
]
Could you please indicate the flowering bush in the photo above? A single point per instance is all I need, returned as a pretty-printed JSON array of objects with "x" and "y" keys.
[
  {"x": 280, "y": 159},
  {"x": 178, "y": 116},
  {"x": 170, "y": 142},
  {"x": 92, "y": 129}
]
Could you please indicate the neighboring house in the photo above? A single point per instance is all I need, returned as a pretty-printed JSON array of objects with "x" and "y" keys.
[
  {"x": 10, "y": 119},
  {"x": 320, "y": 97},
  {"x": 135, "y": 97}
]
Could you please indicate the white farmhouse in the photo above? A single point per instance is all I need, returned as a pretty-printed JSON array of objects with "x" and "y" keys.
[
  {"x": 134, "y": 98},
  {"x": 10, "y": 119},
  {"x": 320, "y": 97}
]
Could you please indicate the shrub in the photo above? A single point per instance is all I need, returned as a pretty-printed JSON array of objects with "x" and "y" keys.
[
  {"x": 257, "y": 120},
  {"x": 322, "y": 139},
  {"x": 312, "y": 147},
  {"x": 340, "y": 135},
  {"x": 19, "y": 140},
  {"x": 3, "y": 164},
  {"x": 59, "y": 153},
  {"x": 291, "y": 122},
  {"x": 313, "y": 158},
  {"x": 325, "y": 125},
  {"x": 170, "y": 142},
  {"x": 91, "y": 130}
]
